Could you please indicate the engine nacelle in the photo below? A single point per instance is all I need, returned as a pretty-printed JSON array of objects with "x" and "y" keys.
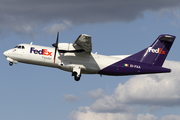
[{"x": 68, "y": 47}]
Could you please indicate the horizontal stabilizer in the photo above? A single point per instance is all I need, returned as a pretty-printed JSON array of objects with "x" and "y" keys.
[{"x": 167, "y": 38}]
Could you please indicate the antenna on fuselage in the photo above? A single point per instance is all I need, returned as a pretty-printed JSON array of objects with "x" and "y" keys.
[{"x": 31, "y": 43}]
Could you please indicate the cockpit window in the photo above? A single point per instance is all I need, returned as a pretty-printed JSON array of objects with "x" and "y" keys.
[{"x": 20, "y": 47}]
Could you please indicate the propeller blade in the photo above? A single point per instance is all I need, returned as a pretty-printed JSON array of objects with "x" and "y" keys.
[
  {"x": 55, "y": 54},
  {"x": 56, "y": 46}
]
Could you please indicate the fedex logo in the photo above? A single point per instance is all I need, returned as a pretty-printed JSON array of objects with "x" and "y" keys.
[
  {"x": 40, "y": 52},
  {"x": 159, "y": 50}
]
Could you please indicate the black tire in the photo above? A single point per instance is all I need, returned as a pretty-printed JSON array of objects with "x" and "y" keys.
[
  {"x": 11, "y": 63},
  {"x": 76, "y": 78},
  {"x": 74, "y": 73}
]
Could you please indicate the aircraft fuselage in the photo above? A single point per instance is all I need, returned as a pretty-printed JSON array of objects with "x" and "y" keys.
[{"x": 77, "y": 58}]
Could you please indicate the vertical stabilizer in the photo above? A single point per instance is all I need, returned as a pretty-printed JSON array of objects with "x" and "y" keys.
[{"x": 156, "y": 53}]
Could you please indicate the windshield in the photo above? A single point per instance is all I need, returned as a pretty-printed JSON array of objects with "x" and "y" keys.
[{"x": 20, "y": 47}]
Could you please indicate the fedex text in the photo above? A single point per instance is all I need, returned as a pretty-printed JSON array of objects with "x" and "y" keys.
[
  {"x": 158, "y": 50},
  {"x": 40, "y": 52}
]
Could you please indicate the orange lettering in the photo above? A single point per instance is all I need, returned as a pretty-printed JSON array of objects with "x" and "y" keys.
[
  {"x": 49, "y": 54},
  {"x": 44, "y": 51}
]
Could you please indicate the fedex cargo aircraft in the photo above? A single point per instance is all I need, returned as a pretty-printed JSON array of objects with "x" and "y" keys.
[{"x": 77, "y": 57}]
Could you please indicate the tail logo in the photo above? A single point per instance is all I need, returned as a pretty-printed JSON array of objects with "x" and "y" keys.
[{"x": 158, "y": 50}]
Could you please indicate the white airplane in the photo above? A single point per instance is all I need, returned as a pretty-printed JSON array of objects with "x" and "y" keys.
[{"x": 78, "y": 59}]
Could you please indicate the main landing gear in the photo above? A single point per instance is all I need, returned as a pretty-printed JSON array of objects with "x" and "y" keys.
[
  {"x": 76, "y": 76},
  {"x": 76, "y": 73}
]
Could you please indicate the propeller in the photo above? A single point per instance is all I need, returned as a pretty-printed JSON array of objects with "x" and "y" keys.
[{"x": 56, "y": 46}]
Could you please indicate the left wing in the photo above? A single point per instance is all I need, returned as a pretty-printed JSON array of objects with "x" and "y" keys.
[{"x": 84, "y": 42}]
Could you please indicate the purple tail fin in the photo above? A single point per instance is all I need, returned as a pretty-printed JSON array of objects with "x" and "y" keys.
[{"x": 156, "y": 53}]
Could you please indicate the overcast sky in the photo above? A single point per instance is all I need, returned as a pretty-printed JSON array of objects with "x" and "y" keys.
[
  {"x": 117, "y": 27},
  {"x": 28, "y": 16}
]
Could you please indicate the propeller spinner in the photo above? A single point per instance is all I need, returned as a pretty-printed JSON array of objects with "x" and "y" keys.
[{"x": 56, "y": 46}]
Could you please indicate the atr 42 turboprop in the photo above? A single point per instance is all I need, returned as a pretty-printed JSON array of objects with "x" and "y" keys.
[{"x": 77, "y": 57}]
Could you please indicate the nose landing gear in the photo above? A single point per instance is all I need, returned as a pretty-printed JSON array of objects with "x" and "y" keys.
[{"x": 10, "y": 63}]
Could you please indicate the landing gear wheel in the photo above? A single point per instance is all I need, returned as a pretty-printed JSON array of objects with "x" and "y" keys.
[
  {"x": 76, "y": 78},
  {"x": 11, "y": 63}
]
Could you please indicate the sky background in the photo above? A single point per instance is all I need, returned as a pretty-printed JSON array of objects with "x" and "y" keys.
[{"x": 29, "y": 92}]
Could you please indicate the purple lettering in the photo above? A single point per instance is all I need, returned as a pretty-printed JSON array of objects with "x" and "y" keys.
[
  {"x": 31, "y": 49},
  {"x": 40, "y": 52},
  {"x": 36, "y": 52}
]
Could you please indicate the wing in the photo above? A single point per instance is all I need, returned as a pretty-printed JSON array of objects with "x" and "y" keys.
[{"x": 84, "y": 42}]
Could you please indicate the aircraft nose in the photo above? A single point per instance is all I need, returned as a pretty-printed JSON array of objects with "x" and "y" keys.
[{"x": 5, "y": 53}]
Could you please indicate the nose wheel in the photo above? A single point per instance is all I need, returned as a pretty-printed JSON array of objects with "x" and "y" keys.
[{"x": 10, "y": 63}]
